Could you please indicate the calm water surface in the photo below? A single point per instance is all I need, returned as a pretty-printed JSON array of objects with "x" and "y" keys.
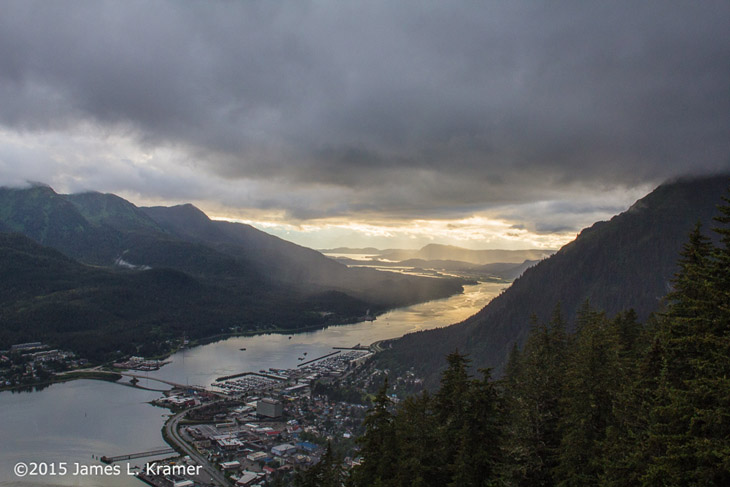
[{"x": 72, "y": 421}]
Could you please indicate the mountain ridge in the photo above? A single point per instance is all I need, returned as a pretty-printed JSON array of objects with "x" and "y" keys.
[
  {"x": 626, "y": 262},
  {"x": 449, "y": 252}
]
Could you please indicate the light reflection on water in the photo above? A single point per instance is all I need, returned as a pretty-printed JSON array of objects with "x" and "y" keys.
[{"x": 202, "y": 365}]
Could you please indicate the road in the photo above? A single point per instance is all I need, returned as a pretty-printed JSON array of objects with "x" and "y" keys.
[
  {"x": 378, "y": 346},
  {"x": 174, "y": 436}
]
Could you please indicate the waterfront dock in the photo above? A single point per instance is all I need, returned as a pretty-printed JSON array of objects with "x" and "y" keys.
[{"x": 130, "y": 456}]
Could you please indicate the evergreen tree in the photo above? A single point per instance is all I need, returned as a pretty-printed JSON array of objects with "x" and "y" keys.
[
  {"x": 451, "y": 405},
  {"x": 690, "y": 423},
  {"x": 378, "y": 445},
  {"x": 328, "y": 472},
  {"x": 533, "y": 437},
  {"x": 626, "y": 450},
  {"x": 629, "y": 332},
  {"x": 591, "y": 385},
  {"x": 479, "y": 457},
  {"x": 420, "y": 463}
]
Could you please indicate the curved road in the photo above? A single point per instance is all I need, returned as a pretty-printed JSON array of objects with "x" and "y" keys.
[
  {"x": 174, "y": 436},
  {"x": 378, "y": 346}
]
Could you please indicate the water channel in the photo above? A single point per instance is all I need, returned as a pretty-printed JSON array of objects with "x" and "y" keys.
[{"x": 70, "y": 422}]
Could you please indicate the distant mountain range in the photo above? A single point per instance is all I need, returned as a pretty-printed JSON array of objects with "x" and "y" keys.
[
  {"x": 435, "y": 252},
  {"x": 260, "y": 280},
  {"x": 496, "y": 264},
  {"x": 623, "y": 263}
]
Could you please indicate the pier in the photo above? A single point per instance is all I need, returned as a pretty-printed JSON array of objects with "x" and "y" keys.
[
  {"x": 243, "y": 374},
  {"x": 318, "y": 358},
  {"x": 151, "y": 453}
]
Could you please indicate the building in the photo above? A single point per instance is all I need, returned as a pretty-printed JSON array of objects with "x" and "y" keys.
[
  {"x": 283, "y": 450},
  {"x": 247, "y": 478},
  {"x": 258, "y": 456},
  {"x": 271, "y": 408},
  {"x": 227, "y": 442}
]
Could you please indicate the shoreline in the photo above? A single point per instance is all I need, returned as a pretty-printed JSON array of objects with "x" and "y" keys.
[
  {"x": 107, "y": 376},
  {"x": 108, "y": 373}
]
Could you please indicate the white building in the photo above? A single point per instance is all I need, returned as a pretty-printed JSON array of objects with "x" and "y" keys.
[
  {"x": 271, "y": 408},
  {"x": 283, "y": 450}
]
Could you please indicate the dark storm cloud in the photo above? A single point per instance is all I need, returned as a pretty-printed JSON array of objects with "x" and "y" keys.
[{"x": 407, "y": 108}]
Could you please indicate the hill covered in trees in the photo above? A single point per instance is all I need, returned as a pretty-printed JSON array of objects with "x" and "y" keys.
[
  {"x": 106, "y": 230},
  {"x": 613, "y": 403},
  {"x": 623, "y": 263},
  {"x": 95, "y": 311}
]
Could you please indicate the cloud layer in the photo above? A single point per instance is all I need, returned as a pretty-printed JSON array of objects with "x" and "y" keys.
[{"x": 400, "y": 110}]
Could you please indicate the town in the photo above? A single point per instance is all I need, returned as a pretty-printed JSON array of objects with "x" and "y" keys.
[
  {"x": 34, "y": 364},
  {"x": 255, "y": 428},
  {"x": 247, "y": 429}
]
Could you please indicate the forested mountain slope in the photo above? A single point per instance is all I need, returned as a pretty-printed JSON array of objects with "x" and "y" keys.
[
  {"x": 106, "y": 230},
  {"x": 623, "y": 263},
  {"x": 292, "y": 264},
  {"x": 95, "y": 311}
]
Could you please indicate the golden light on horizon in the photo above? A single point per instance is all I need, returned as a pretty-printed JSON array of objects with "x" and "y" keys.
[{"x": 477, "y": 232}]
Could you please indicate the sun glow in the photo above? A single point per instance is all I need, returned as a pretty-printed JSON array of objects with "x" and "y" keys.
[{"x": 477, "y": 232}]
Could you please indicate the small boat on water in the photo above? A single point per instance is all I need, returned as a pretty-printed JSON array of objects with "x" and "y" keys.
[{"x": 242, "y": 349}]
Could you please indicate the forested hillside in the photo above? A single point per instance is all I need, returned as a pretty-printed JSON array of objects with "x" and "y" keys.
[
  {"x": 46, "y": 296},
  {"x": 106, "y": 230},
  {"x": 95, "y": 274},
  {"x": 623, "y": 263},
  {"x": 613, "y": 403}
]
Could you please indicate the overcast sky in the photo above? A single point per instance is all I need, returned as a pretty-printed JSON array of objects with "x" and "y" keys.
[{"x": 387, "y": 123}]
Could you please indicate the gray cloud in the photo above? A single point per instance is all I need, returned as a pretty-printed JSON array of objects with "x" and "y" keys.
[{"x": 399, "y": 108}]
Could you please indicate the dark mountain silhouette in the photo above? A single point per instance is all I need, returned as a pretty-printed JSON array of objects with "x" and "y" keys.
[
  {"x": 171, "y": 269},
  {"x": 295, "y": 265}
]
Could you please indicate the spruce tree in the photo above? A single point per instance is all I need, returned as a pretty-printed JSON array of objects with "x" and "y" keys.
[
  {"x": 420, "y": 463},
  {"x": 626, "y": 449},
  {"x": 379, "y": 450},
  {"x": 532, "y": 436},
  {"x": 328, "y": 472},
  {"x": 690, "y": 424},
  {"x": 479, "y": 457},
  {"x": 592, "y": 381}
]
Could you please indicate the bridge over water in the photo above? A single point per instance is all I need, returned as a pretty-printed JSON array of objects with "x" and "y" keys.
[{"x": 168, "y": 382}]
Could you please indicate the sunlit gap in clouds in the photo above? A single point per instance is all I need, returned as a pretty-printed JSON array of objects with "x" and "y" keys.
[
  {"x": 89, "y": 158},
  {"x": 475, "y": 232}
]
